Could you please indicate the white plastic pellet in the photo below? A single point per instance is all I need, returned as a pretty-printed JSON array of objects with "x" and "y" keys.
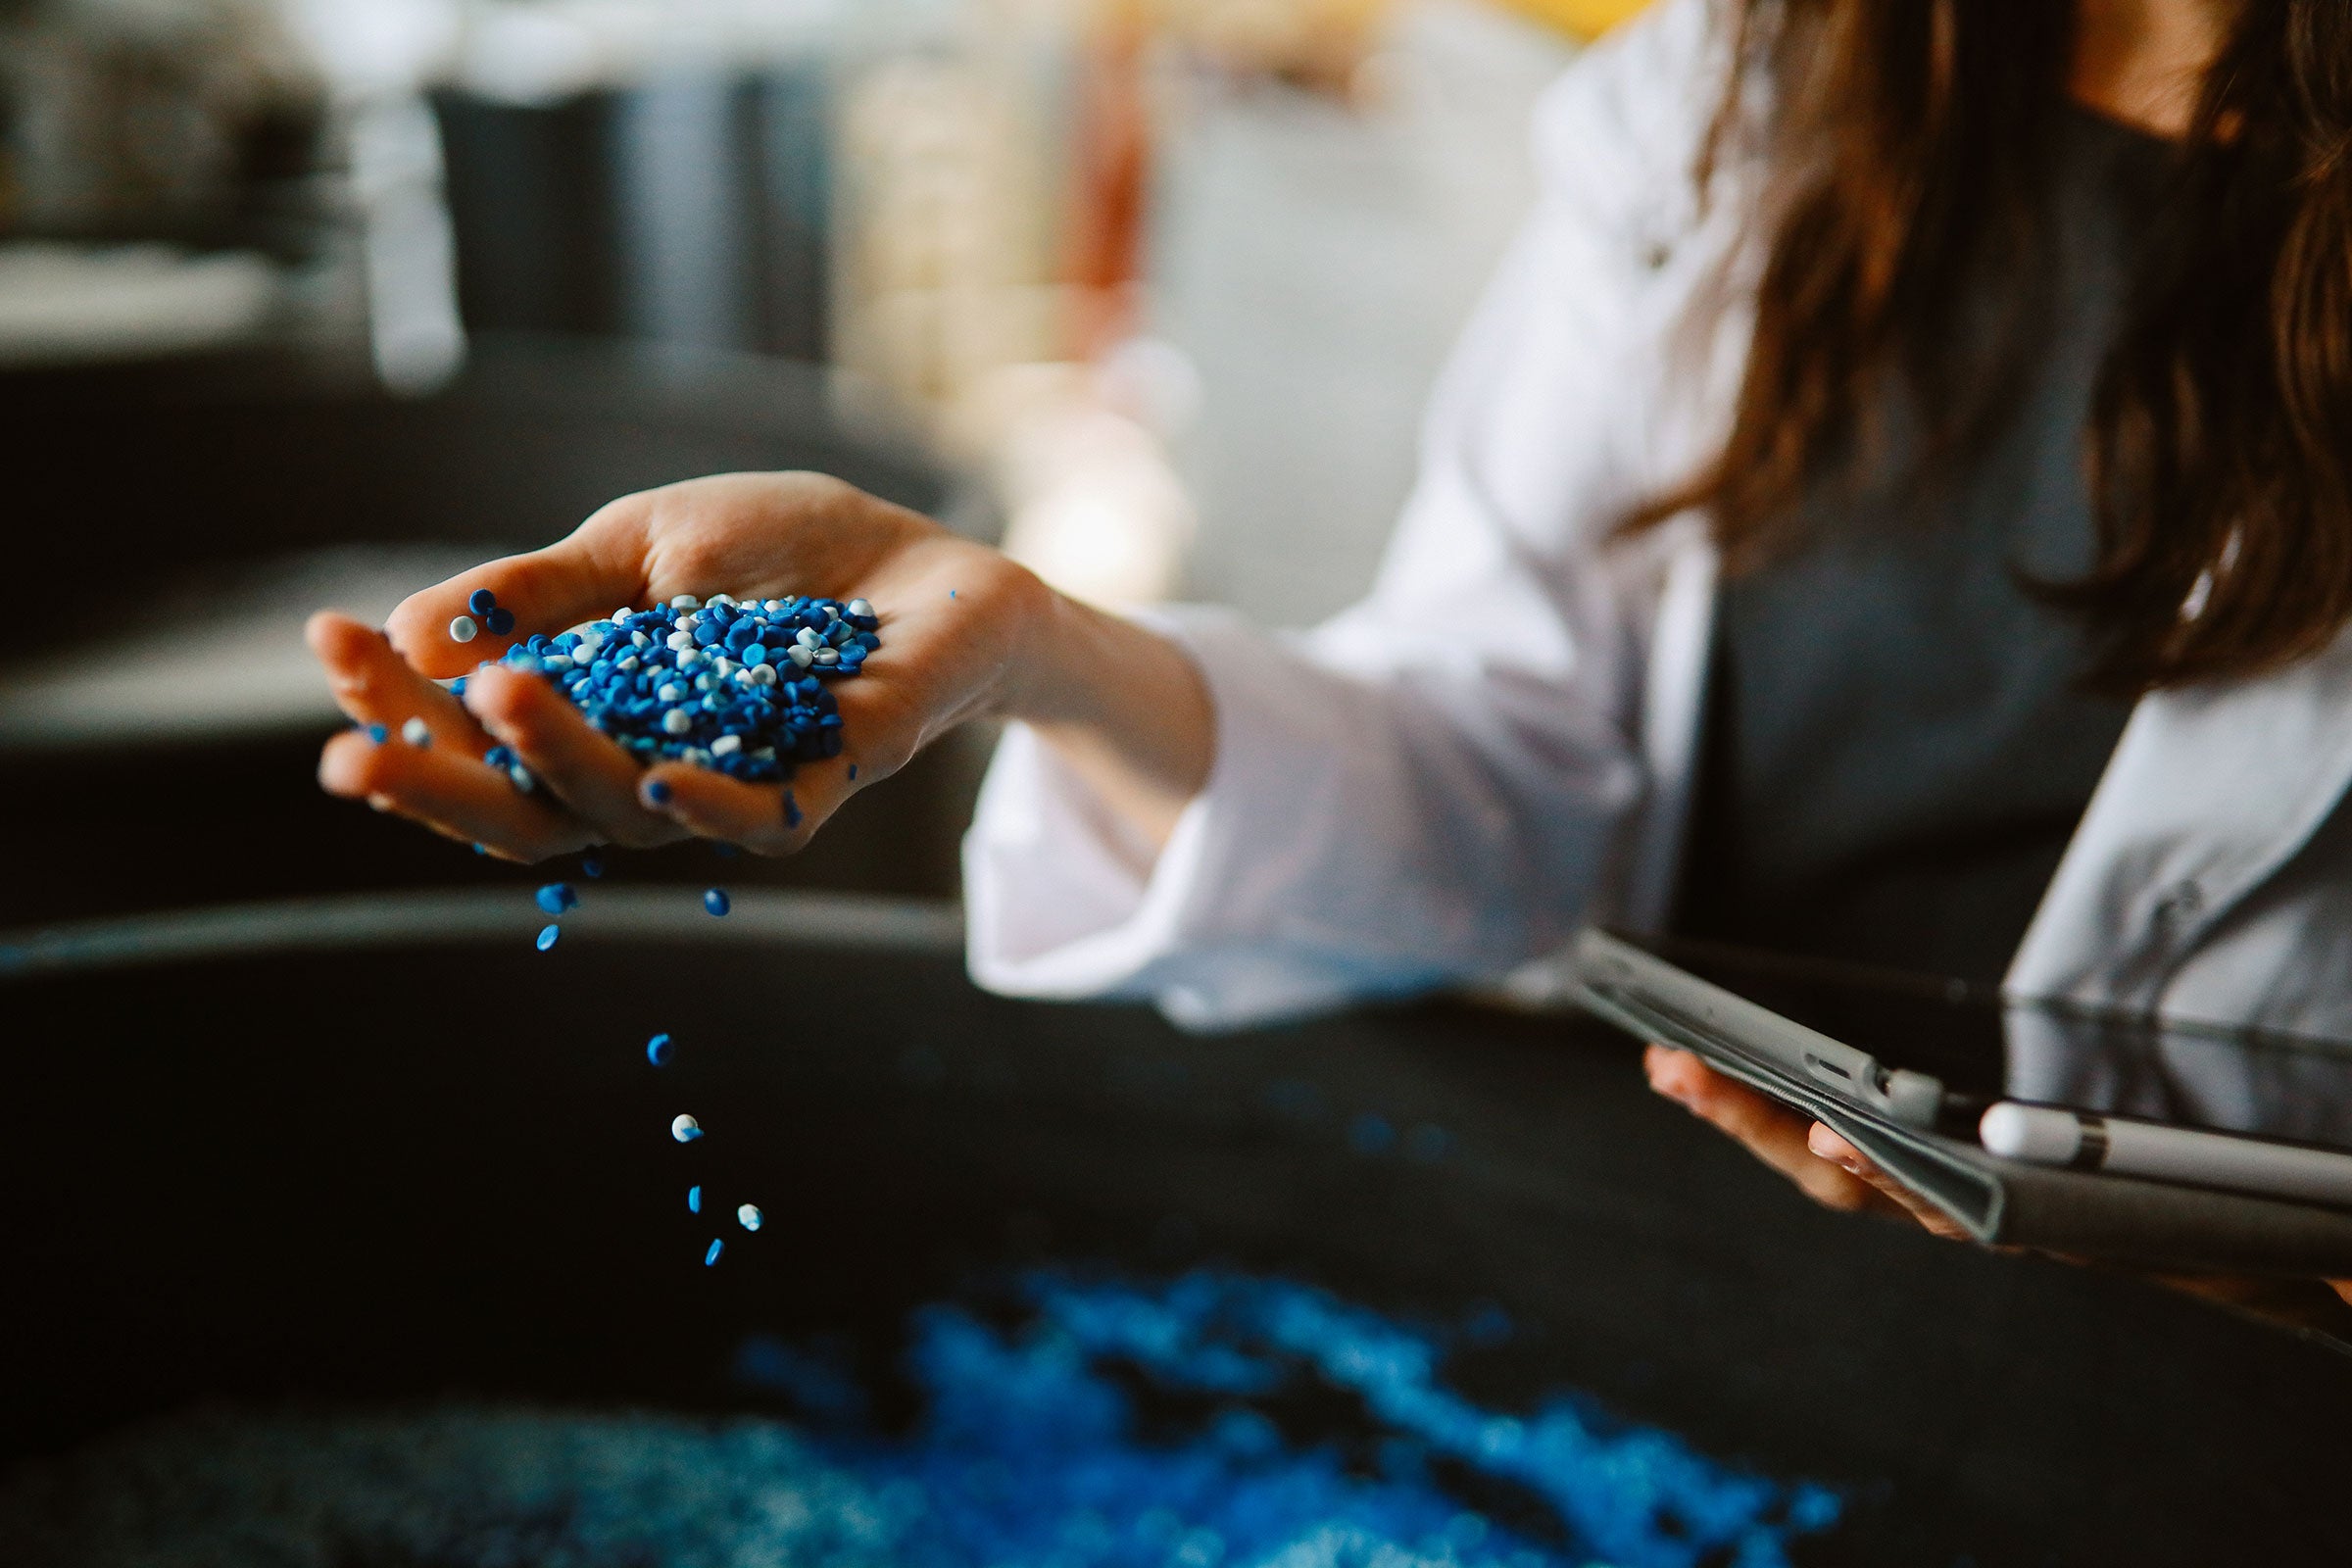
[
  {"x": 826, "y": 656},
  {"x": 721, "y": 599},
  {"x": 809, "y": 638},
  {"x": 685, "y": 601},
  {"x": 725, "y": 745},
  {"x": 763, "y": 675},
  {"x": 685, "y": 1129},
  {"x": 417, "y": 732},
  {"x": 860, "y": 607},
  {"x": 800, "y": 655},
  {"x": 675, "y": 721},
  {"x": 749, "y": 1217},
  {"x": 463, "y": 630},
  {"x": 680, "y": 640}
]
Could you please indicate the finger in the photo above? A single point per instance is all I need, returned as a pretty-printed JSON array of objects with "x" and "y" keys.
[
  {"x": 374, "y": 685},
  {"x": 2342, "y": 1287},
  {"x": 584, "y": 770},
  {"x": 451, "y": 793},
  {"x": 1826, "y": 1144},
  {"x": 765, "y": 819},
  {"x": 1769, "y": 1131},
  {"x": 588, "y": 574}
]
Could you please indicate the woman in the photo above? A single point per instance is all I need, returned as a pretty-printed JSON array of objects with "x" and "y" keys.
[{"x": 1897, "y": 421}]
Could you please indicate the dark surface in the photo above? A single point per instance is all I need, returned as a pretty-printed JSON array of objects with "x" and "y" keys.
[{"x": 383, "y": 1175}]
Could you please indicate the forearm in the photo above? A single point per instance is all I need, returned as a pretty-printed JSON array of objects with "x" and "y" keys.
[{"x": 1126, "y": 710}]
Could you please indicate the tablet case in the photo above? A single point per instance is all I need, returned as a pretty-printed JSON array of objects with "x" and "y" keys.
[{"x": 2003, "y": 1202}]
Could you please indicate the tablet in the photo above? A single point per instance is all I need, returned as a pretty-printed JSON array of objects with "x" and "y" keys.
[{"x": 2046, "y": 1083}]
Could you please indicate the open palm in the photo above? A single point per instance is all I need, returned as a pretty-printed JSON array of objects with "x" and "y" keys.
[{"x": 951, "y": 611}]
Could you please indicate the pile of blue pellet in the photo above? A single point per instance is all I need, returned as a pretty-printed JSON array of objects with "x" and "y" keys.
[
  {"x": 733, "y": 684},
  {"x": 1033, "y": 1448}
]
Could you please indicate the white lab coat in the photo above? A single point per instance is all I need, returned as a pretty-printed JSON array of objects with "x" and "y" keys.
[{"x": 1445, "y": 782}]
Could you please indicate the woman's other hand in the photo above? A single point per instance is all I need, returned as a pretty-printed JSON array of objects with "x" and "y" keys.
[
  {"x": 964, "y": 632},
  {"x": 1831, "y": 1172},
  {"x": 1824, "y": 1166}
]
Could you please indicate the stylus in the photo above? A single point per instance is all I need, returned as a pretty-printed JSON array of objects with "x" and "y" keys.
[{"x": 2046, "y": 1135}]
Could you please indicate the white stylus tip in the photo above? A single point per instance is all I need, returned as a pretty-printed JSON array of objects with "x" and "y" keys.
[{"x": 2034, "y": 1133}]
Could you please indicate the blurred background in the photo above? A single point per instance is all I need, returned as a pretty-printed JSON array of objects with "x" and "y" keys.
[{"x": 311, "y": 302}]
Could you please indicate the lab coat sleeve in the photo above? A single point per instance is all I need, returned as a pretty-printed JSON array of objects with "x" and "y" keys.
[{"x": 1432, "y": 785}]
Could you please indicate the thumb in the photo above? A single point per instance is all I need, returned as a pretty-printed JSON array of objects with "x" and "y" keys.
[{"x": 599, "y": 568}]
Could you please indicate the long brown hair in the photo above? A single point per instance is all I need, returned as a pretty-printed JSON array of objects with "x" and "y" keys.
[{"x": 1903, "y": 139}]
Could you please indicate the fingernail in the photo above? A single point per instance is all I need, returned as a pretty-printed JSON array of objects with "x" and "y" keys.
[
  {"x": 1827, "y": 1146},
  {"x": 654, "y": 792}
]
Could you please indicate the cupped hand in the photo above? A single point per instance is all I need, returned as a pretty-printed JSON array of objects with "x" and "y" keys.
[
  {"x": 1822, "y": 1166},
  {"x": 953, "y": 616}
]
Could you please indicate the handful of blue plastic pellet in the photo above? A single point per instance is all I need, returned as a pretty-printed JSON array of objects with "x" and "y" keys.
[{"x": 735, "y": 685}]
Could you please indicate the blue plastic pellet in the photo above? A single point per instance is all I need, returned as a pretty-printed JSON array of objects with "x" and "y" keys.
[
  {"x": 1027, "y": 1441},
  {"x": 716, "y": 901},
  {"x": 701, "y": 682},
  {"x": 378, "y": 734},
  {"x": 853, "y": 772},
  {"x": 660, "y": 1049},
  {"x": 592, "y": 864},
  {"x": 711, "y": 1257},
  {"x": 481, "y": 600},
  {"x": 694, "y": 1199},
  {"x": 792, "y": 810},
  {"x": 548, "y": 935},
  {"x": 499, "y": 622},
  {"x": 657, "y": 792},
  {"x": 557, "y": 897}
]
